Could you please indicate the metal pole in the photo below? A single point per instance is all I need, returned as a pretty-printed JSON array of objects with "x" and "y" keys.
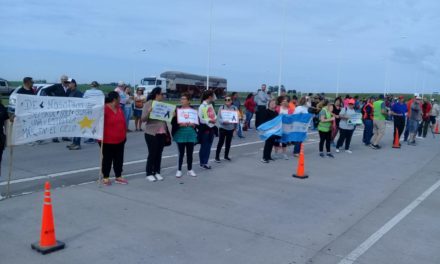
[
  {"x": 283, "y": 40},
  {"x": 209, "y": 46}
]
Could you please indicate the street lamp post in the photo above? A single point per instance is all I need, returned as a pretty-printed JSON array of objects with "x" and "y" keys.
[
  {"x": 142, "y": 51},
  {"x": 283, "y": 40},
  {"x": 209, "y": 46}
]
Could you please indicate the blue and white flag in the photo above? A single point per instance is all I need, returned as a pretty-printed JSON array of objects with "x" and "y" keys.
[{"x": 291, "y": 128}]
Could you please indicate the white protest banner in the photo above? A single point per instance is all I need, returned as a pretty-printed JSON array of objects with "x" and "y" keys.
[
  {"x": 187, "y": 115},
  {"x": 229, "y": 116},
  {"x": 44, "y": 117},
  {"x": 355, "y": 119},
  {"x": 162, "y": 111}
]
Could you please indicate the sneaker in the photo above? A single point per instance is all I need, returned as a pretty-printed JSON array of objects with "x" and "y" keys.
[
  {"x": 296, "y": 155},
  {"x": 158, "y": 177},
  {"x": 348, "y": 151},
  {"x": 321, "y": 155},
  {"x": 264, "y": 160},
  {"x": 337, "y": 150},
  {"x": 378, "y": 147},
  {"x": 205, "y": 166},
  {"x": 270, "y": 159},
  {"x": 121, "y": 180},
  {"x": 191, "y": 173},
  {"x": 75, "y": 147},
  {"x": 66, "y": 139},
  {"x": 228, "y": 159},
  {"x": 70, "y": 145},
  {"x": 178, "y": 174},
  {"x": 373, "y": 146},
  {"x": 151, "y": 178},
  {"x": 106, "y": 182},
  {"x": 55, "y": 140},
  {"x": 330, "y": 155},
  {"x": 217, "y": 160},
  {"x": 285, "y": 157}
]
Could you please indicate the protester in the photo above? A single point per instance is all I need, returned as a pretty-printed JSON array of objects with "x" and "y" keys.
[
  {"x": 268, "y": 115},
  {"x": 408, "y": 106},
  {"x": 398, "y": 111},
  {"x": 337, "y": 106},
  {"x": 61, "y": 90},
  {"x": 346, "y": 127},
  {"x": 261, "y": 100},
  {"x": 27, "y": 87},
  {"x": 128, "y": 106},
  {"x": 93, "y": 92},
  {"x": 226, "y": 130},
  {"x": 207, "y": 128},
  {"x": 250, "y": 105},
  {"x": 113, "y": 143},
  {"x": 282, "y": 108},
  {"x": 380, "y": 114},
  {"x": 367, "y": 119},
  {"x": 139, "y": 101},
  {"x": 435, "y": 112},
  {"x": 74, "y": 92},
  {"x": 300, "y": 109},
  {"x": 236, "y": 102},
  {"x": 415, "y": 117},
  {"x": 324, "y": 128},
  {"x": 120, "y": 89},
  {"x": 155, "y": 136},
  {"x": 185, "y": 135},
  {"x": 426, "y": 111}
]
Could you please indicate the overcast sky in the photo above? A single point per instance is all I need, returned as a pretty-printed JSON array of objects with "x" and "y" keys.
[{"x": 375, "y": 45}]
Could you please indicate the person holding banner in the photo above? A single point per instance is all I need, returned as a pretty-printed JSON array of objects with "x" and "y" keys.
[
  {"x": 155, "y": 136},
  {"x": 207, "y": 128},
  {"x": 113, "y": 142},
  {"x": 74, "y": 92},
  {"x": 184, "y": 134},
  {"x": 324, "y": 128},
  {"x": 228, "y": 120},
  {"x": 282, "y": 108},
  {"x": 346, "y": 128},
  {"x": 300, "y": 109},
  {"x": 268, "y": 115}
]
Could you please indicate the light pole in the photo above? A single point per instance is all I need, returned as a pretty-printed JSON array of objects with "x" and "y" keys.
[
  {"x": 141, "y": 51},
  {"x": 338, "y": 67},
  {"x": 209, "y": 46},
  {"x": 283, "y": 40}
]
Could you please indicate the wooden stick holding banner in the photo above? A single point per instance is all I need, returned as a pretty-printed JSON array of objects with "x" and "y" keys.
[
  {"x": 101, "y": 157},
  {"x": 11, "y": 158}
]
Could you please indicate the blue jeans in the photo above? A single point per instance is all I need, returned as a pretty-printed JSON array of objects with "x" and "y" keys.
[
  {"x": 249, "y": 118},
  {"x": 76, "y": 141},
  {"x": 368, "y": 131},
  {"x": 239, "y": 130},
  {"x": 127, "y": 114},
  {"x": 206, "y": 140}
]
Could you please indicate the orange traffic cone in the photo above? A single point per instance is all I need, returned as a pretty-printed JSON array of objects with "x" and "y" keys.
[
  {"x": 396, "y": 143},
  {"x": 300, "y": 170},
  {"x": 436, "y": 128},
  {"x": 48, "y": 242}
]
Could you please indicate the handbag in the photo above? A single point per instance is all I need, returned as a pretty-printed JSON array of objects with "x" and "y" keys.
[{"x": 168, "y": 139}]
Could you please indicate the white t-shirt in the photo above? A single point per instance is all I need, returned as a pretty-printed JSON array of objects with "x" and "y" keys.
[
  {"x": 301, "y": 110},
  {"x": 93, "y": 93}
]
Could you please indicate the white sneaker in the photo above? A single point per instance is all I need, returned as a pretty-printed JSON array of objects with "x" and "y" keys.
[
  {"x": 191, "y": 173},
  {"x": 151, "y": 178},
  {"x": 337, "y": 150},
  {"x": 158, "y": 177},
  {"x": 1, "y": 197},
  {"x": 179, "y": 174},
  {"x": 348, "y": 151},
  {"x": 285, "y": 157}
]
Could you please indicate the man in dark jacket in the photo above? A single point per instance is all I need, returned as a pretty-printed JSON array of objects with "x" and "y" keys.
[
  {"x": 62, "y": 90},
  {"x": 74, "y": 92}
]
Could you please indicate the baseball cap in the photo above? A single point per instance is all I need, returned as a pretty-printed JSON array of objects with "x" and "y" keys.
[
  {"x": 94, "y": 84},
  {"x": 351, "y": 101},
  {"x": 71, "y": 80}
]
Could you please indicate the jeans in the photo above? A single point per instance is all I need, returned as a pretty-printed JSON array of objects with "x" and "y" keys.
[
  {"x": 127, "y": 114},
  {"x": 155, "y": 146},
  {"x": 189, "y": 146},
  {"x": 224, "y": 135},
  {"x": 344, "y": 135},
  {"x": 76, "y": 141},
  {"x": 399, "y": 124},
  {"x": 297, "y": 147},
  {"x": 248, "y": 118},
  {"x": 239, "y": 130},
  {"x": 112, "y": 154},
  {"x": 368, "y": 131},
  {"x": 206, "y": 139}
]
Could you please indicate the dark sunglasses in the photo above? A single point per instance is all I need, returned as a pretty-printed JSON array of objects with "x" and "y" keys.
[{"x": 228, "y": 99}]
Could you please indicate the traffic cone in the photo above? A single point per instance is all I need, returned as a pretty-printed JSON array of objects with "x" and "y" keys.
[
  {"x": 48, "y": 242},
  {"x": 396, "y": 139},
  {"x": 436, "y": 128},
  {"x": 300, "y": 169}
]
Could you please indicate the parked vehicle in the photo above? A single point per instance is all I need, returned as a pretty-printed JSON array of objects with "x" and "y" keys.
[
  {"x": 4, "y": 87},
  {"x": 38, "y": 88},
  {"x": 175, "y": 83}
]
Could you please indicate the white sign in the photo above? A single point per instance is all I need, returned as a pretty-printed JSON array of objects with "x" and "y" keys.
[
  {"x": 355, "y": 119},
  {"x": 162, "y": 111},
  {"x": 187, "y": 115},
  {"x": 229, "y": 116},
  {"x": 44, "y": 117}
]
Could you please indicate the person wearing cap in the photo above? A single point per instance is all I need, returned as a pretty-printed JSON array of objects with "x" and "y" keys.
[
  {"x": 346, "y": 128},
  {"x": 367, "y": 119},
  {"x": 398, "y": 111},
  {"x": 408, "y": 106},
  {"x": 74, "y": 92},
  {"x": 380, "y": 115},
  {"x": 426, "y": 110},
  {"x": 415, "y": 116},
  {"x": 435, "y": 112},
  {"x": 61, "y": 90}
]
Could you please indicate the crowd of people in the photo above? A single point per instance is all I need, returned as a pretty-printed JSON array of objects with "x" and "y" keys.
[{"x": 331, "y": 118}]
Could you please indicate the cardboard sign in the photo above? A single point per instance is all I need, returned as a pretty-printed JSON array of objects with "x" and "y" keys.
[
  {"x": 162, "y": 111},
  {"x": 187, "y": 115},
  {"x": 45, "y": 117},
  {"x": 355, "y": 119},
  {"x": 229, "y": 116}
]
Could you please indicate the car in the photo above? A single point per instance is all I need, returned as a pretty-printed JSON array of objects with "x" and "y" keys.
[
  {"x": 4, "y": 87},
  {"x": 38, "y": 87}
]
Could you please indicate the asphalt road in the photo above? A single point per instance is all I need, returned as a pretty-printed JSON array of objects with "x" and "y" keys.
[{"x": 372, "y": 206}]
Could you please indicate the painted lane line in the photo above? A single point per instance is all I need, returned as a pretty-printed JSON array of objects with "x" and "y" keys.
[{"x": 367, "y": 244}]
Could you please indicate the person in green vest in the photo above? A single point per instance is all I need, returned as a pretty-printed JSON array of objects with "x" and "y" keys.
[
  {"x": 380, "y": 114},
  {"x": 325, "y": 128}
]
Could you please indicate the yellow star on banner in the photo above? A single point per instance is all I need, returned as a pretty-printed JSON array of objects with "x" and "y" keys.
[{"x": 86, "y": 122}]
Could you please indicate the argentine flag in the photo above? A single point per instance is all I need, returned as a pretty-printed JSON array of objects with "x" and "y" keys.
[
  {"x": 291, "y": 128},
  {"x": 270, "y": 128}
]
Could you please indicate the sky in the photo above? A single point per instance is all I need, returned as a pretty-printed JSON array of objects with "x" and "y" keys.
[{"x": 311, "y": 46}]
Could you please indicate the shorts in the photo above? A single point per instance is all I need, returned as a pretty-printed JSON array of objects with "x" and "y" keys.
[
  {"x": 137, "y": 113},
  {"x": 413, "y": 126}
]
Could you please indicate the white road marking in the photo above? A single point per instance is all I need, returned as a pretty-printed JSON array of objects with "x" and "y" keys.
[{"x": 367, "y": 244}]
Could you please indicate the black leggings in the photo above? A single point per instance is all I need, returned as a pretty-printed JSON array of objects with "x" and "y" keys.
[
  {"x": 189, "y": 146},
  {"x": 112, "y": 154},
  {"x": 224, "y": 134},
  {"x": 325, "y": 137},
  {"x": 268, "y": 145},
  {"x": 344, "y": 135},
  {"x": 155, "y": 146}
]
